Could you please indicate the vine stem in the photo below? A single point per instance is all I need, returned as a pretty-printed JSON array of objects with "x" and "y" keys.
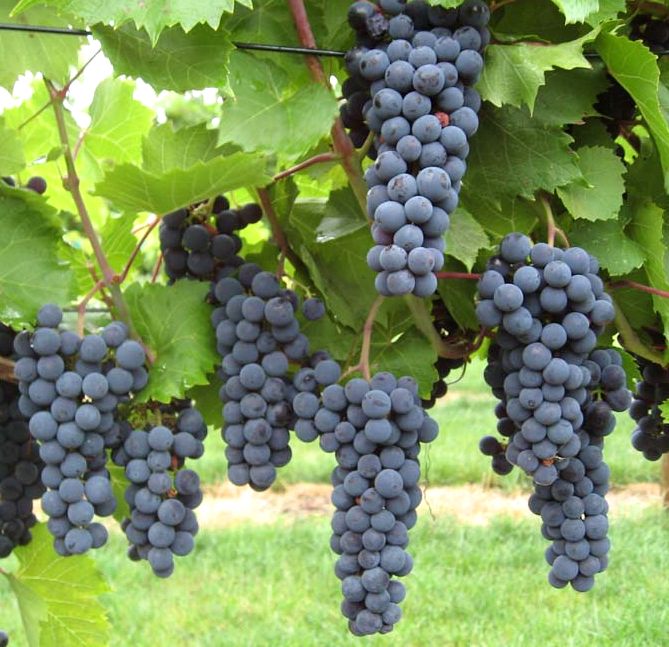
[
  {"x": 552, "y": 230},
  {"x": 156, "y": 269},
  {"x": 639, "y": 286},
  {"x": 124, "y": 274},
  {"x": 73, "y": 185},
  {"x": 458, "y": 275},
  {"x": 81, "y": 308},
  {"x": 312, "y": 161},
  {"x": 341, "y": 142},
  {"x": 631, "y": 341},
  {"x": 277, "y": 232},
  {"x": 363, "y": 365}
]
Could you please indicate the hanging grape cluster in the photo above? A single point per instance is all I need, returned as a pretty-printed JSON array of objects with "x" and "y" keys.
[{"x": 651, "y": 435}]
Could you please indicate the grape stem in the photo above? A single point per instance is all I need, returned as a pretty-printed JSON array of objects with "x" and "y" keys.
[
  {"x": 341, "y": 142},
  {"x": 81, "y": 308},
  {"x": 312, "y": 161},
  {"x": 277, "y": 232},
  {"x": 498, "y": 5},
  {"x": 119, "y": 278},
  {"x": 639, "y": 286},
  {"x": 156, "y": 269},
  {"x": 73, "y": 184},
  {"x": 363, "y": 365},
  {"x": 7, "y": 370},
  {"x": 458, "y": 275},
  {"x": 551, "y": 228},
  {"x": 630, "y": 340}
]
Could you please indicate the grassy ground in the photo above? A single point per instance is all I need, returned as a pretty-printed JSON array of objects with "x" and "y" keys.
[
  {"x": 472, "y": 586},
  {"x": 464, "y": 417}
]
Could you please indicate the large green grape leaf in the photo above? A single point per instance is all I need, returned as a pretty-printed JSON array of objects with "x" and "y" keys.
[
  {"x": 513, "y": 155},
  {"x": 30, "y": 273},
  {"x": 152, "y": 15},
  {"x": 271, "y": 113},
  {"x": 534, "y": 20},
  {"x": 646, "y": 229},
  {"x": 118, "y": 241},
  {"x": 47, "y": 53},
  {"x": 164, "y": 148},
  {"x": 179, "y": 61},
  {"x": 602, "y": 197},
  {"x": 608, "y": 10},
  {"x": 12, "y": 158},
  {"x": 58, "y": 596},
  {"x": 174, "y": 322},
  {"x": 133, "y": 189},
  {"x": 635, "y": 68},
  {"x": 606, "y": 240},
  {"x": 499, "y": 217},
  {"x": 577, "y": 10},
  {"x": 465, "y": 238},
  {"x": 513, "y": 74},
  {"x": 118, "y": 123}
]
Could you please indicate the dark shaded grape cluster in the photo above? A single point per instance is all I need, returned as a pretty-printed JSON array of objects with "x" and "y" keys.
[
  {"x": 573, "y": 509},
  {"x": 200, "y": 241},
  {"x": 446, "y": 326},
  {"x": 374, "y": 429},
  {"x": 162, "y": 494},
  {"x": 70, "y": 389},
  {"x": 4, "y": 639},
  {"x": 653, "y": 31},
  {"x": 261, "y": 346},
  {"x": 549, "y": 307},
  {"x": 651, "y": 435},
  {"x": 423, "y": 110},
  {"x": 20, "y": 464},
  {"x": 37, "y": 184}
]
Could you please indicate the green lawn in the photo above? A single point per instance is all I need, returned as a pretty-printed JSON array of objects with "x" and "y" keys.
[
  {"x": 466, "y": 416},
  {"x": 472, "y": 586}
]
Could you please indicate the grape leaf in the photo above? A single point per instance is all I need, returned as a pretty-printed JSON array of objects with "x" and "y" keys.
[
  {"x": 118, "y": 123},
  {"x": 606, "y": 240},
  {"x": 608, "y": 10},
  {"x": 174, "y": 323},
  {"x": 635, "y": 68},
  {"x": 179, "y": 61},
  {"x": 152, "y": 15},
  {"x": 119, "y": 484},
  {"x": 12, "y": 159},
  {"x": 134, "y": 189},
  {"x": 118, "y": 241},
  {"x": 602, "y": 199},
  {"x": 31, "y": 274},
  {"x": 164, "y": 148},
  {"x": 534, "y": 20},
  {"x": 577, "y": 10},
  {"x": 513, "y": 74},
  {"x": 269, "y": 112},
  {"x": 664, "y": 410},
  {"x": 47, "y": 53},
  {"x": 631, "y": 369},
  {"x": 647, "y": 230},
  {"x": 58, "y": 596},
  {"x": 500, "y": 217},
  {"x": 514, "y": 155},
  {"x": 459, "y": 297},
  {"x": 465, "y": 238}
]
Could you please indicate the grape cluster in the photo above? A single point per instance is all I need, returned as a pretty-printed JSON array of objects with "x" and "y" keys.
[
  {"x": 423, "y": 110},
  {"x": 573, "y": 509},
  {"x": 258, "y": 337},
  {"x": 549, "y": 308},
  {"x": 654, "y": 32},
  {"x": 651, "y": 435},
  {"x": 200, "y": 241},
  {"x": 4, "y": 639},
  {"x": 448, "y": 329},
  {"x": 70, "y": 389},
  {"x": 20, "y": 464},
  {"x": 162, "y": 494},
  {"x": 374, "y": 429},
  {"x": 37, "y": 184}
]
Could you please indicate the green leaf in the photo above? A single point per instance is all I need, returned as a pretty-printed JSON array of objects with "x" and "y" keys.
[
  {"x": 635, "y": 68},
  {"x": 178, "y": 61},
  {"x": 12, "y": 159},
  {"x": 513, "y": 155},
  {"x": 513, "y": 74},
  {"x": 631, "y": 369},
  {"x": 58, "y": 596},
  {"x": 647, "y": 230},
  {"x": 49, "y": 54},
  {"x": 31, "y": 274},
  {"x": 577, "y": 10},
  {"x": 269, "y": 112},
  {"x": 119, "y": 484},
  {"x": 459, "y": 297},
  {"x": 465, "y": 238},
  {"x": 153, "y": 15},
  {"x": 606, "y": 240},
  {"x": 164, "y": 148},
  {"x": 134, "y": 189},
  {"x": 118, "y": 241},
  {"x": 174, "y": 321},
  {"x": 664, "y": 410},
  {"x": 499, "y": 217},
  {"x": 534, "y": 20},
  {"x": 602, "y": 199},
  {"x": 608, "y": 10},
  {"x": 118, "y": 123},
  {"x": 208, "y": 401}
]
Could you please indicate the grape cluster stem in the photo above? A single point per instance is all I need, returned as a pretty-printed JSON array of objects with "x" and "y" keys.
[{"x": 323, "y": 158}]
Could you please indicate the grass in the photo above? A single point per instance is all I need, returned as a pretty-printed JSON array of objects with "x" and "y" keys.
[
  {"x": 472, "y": 586},
  {"x": 464, "y": 417}
]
